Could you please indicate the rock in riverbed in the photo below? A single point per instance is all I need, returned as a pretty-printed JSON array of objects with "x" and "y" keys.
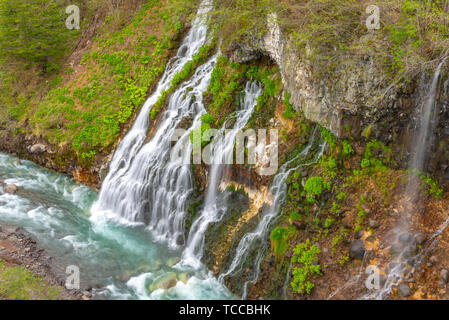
[
  {"x": 165, "y": 282},
  {"x": 10, "y": 188}
]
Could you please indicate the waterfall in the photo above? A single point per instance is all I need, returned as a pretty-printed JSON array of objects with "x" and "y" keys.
[
  {"x": 223, "y": 148},
  {"x": 255, "y": 240},
  {"x": 154, "y": 189},
  {"x": 131, "y": 143},
  {"x": 142, "y": 184},
  {"x": 427, "y": 114},
  {"x": 422, "y": 138}
]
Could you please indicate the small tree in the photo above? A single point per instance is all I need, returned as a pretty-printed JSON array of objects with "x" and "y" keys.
[{"x": 33, "y": 32}]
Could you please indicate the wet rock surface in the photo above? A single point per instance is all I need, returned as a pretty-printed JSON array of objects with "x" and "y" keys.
[
  {"x": 420, "y": 238},
  {"x": 10, "y": 188},
  {"x": 357, "y": 249},
  {"x": 404, "y": 289}
]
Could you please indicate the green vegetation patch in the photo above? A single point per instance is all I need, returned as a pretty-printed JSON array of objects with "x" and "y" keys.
[
  {"x": 18, "y": 283},
  {"x": 305, "y": 255},
  {"x": 279, "y": 242},
  {"x": 222, "y": 95},
  {"x": 85, "y": 109}
]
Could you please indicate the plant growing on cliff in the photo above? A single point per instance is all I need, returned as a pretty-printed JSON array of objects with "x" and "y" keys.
[
  {"x": 377, "y": 155},
  {"x": 314, "y": 186},
  {"x": 198, "y": 134},
  {"x": 306, "y": 256},
  {"x": 348, "y": 150},
  {"x": 429, "y": 184},
  {"x": 289, "y": 113},
  {"x": 328, "y": 137},
  {"x": 279, "y": 242},
  {"x": 225, "y": 84}
]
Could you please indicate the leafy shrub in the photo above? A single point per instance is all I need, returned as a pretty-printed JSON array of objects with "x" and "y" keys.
[
  {"x": 365, "y": 163},
  {"x": 306, "y": 255},
  {"x": 206, "y": 120},
  {"x": 328, "y": 137},
  {"x": 430, "y": 184},
  {"x": 347, "y": 148},
  {"x": 314, "y": 186},
  {"x": 377, "y": 155}
]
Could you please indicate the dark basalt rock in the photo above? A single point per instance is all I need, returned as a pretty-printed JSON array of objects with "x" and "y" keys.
[{"x": 357, "y": 249}]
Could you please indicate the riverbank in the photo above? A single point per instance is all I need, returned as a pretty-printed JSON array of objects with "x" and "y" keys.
[{"x": 26, "y": 270}]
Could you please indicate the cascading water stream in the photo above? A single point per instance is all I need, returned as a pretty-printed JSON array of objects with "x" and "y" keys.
[
  {"x": 122, "y": 261},
  {"x": 143, "y": 184},
  {"x": 155, "y": 189},
  {"x": 427, "y": 114},
  {"x": 223, "y": 148},
  {"x": 133, "y": 140},
  {"x": 257, "y": 238},
  {"x": 144, "y": 188}
]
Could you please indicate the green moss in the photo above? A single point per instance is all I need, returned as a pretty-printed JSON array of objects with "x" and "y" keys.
[
  {"x": 289, "y": 113},
  {"x": 279, "y": 242},
  {"x": 367, "y": 131},
  {"x": 348, "y": 150},
  {"x": 206, "y": 120},
  {"x": 328, "y": 137},
  {"x": 377, "y": 155},
  {"x": 222, "y": 94}
]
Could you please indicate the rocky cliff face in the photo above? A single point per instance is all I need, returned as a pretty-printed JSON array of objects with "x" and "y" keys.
[
  {"x": 352, "y": 90},
  {"x": 357, "y": 100}
]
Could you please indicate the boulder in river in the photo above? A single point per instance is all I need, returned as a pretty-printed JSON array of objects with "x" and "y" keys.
[
  {"x": 183, "y": 277},
  {"x": 165, "y": 282},
  {"x": 10, "y": 188},
  {"x": 172, "y": 261}
]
